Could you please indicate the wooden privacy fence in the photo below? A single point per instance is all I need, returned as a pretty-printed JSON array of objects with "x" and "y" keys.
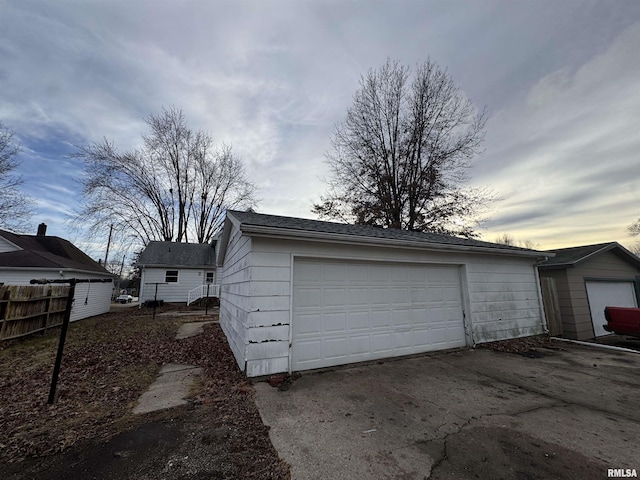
[{"x": 30, "y": 309}]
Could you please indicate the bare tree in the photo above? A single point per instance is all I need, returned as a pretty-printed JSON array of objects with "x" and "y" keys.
[
  {"x": 508, "y": 239},
  {"x": 176, "y": 187},
  {"x": 634, "y": 231},
  {"x": 400, "y": 157},
  {"x": 15, "y": 207}
]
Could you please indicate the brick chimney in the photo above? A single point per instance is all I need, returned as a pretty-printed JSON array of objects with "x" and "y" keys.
[{"x": 42, "y": 229}]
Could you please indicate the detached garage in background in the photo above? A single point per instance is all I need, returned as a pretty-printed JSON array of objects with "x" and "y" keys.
[
  {"x": 588, "y": 279},
  {"x": 301, "y": 294}
]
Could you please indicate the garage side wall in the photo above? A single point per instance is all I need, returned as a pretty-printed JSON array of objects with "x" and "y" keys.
[
  {"x": 505, "y": 298},
  {"x": 503, "y": 294},
  {"x": 235, "y": 285},
  {"x": 570, "y": 327}
]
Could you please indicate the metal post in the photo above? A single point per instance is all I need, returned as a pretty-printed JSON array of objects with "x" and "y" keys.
[
  {"x": 206, "y": 305},
  {"x": 155, "y": 302},
  {"x": 63, "y": 336}
]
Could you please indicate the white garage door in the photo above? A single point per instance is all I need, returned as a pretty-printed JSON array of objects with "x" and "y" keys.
[
  {"x": 345, "y": 312},
  {"x": 608, "y": 294}
]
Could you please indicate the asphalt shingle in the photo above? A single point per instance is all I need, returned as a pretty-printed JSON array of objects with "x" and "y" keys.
[{"x": 302, "y": 224}]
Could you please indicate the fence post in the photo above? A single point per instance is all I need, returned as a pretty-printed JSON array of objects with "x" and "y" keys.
[
  {"x": 4, "y": 309},
  {"x": 47, "y": 307}
]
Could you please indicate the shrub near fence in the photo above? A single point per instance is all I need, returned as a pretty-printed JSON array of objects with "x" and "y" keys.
[{"x": 29, "y": 309}]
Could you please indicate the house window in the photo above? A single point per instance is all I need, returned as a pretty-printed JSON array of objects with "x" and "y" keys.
[
  {"x": 171, "y": 276},
  {"x": 209, "y": 278}
]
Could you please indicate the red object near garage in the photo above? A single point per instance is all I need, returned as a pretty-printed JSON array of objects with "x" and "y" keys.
[{"x": 623, "y": 321}]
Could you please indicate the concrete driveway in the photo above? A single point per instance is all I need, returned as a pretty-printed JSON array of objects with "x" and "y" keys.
[{"x": 572, "y": 412}]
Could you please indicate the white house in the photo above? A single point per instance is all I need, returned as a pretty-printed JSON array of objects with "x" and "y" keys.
[
  {"x": 176, "y": 269},
  {"x": 27, "y": 257},
  {"x": 302, "y": 294}
]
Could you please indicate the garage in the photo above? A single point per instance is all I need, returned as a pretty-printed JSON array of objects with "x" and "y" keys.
[
  {"x": 587, "y": 279},
  {"x": 345, "y": 311},
  {"x": 608, "y": 294},
  {"x": 299, "y": 294}
]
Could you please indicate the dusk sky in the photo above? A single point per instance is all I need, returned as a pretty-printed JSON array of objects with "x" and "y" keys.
[{"x": 560, "y": 81}]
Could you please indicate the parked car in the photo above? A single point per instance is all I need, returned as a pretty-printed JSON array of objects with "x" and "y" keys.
[
  {"x": 623, "y": 321},
  {"x": 124, "y": 298}
]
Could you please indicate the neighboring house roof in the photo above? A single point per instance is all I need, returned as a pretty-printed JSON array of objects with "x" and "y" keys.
[
  {"x": 569, "y": 257},
  {"x": 177, "y": 254},
  {"x": 48, "y": 252},
  {"x": 261, "y": 224}
]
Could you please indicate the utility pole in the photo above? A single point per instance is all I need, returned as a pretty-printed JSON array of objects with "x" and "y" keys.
[
  {"x": 121, "y": 266},
  {"x": 106, "y": 255}
]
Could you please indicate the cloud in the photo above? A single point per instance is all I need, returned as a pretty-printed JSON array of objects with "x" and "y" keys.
[
  {"x": 273, "y": 78},
  {"x": 565, "y": 158}
]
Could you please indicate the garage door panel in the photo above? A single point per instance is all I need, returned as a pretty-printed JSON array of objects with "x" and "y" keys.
[
  {"x": 401, "y": 318},
  {"x": 381, "y": 342},
  {"x": 358, "y": 274},
  {"x": 358, "y": 321},
  {"x": 334, "y": 323},
  {"x": 401, "y": 295},
  {"x": 359, "y": 344},
  {"x": 308, "y": 297},
  {"x": 358, "y": 297},
  {"x": 334, "y": 297},
  {"x": 380, "y": 318},
  {"x": 371, "y": 310},
  {"x": 379, "y": 296},
  {"x": 335, "y": 347},
  {"x": 309, "y": 324}
]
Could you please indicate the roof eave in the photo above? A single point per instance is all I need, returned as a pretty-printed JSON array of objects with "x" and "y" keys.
[
  {"x": 59, "y": 269},
  {"x": 171, "y": 265},
  {"x": 259, "y": 230}
]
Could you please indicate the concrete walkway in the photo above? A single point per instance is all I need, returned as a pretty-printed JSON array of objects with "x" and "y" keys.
[
  {"x": 192, "y": 329},
  {"x": 174, "y": 380},
  {"x": 170, "y": 388}
]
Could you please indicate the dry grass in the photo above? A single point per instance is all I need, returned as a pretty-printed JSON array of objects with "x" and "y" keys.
[{"x": 108, "y": 362}]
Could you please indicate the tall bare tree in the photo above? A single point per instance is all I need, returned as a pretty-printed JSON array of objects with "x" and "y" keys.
[
  {"x": 400, "y": 157},
  {"x": 15, "y": 206},
  {"x": 176, "y": 187}
]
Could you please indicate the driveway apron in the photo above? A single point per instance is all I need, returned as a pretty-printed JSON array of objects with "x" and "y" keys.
[{"x": 570, "y": 411}]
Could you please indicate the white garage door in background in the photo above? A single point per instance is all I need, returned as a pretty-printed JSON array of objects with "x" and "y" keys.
[
  {"x": 608, "y": 294},
  {"x": 347, "y": 311}
]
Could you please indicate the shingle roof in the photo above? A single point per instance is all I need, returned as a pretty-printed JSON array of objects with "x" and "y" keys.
[
  {"x": 178, "y": 254},
  {"x": 317, "y": 226},
  {"x": 46, "y": 252},
  {"x": 568, "y": 257}
]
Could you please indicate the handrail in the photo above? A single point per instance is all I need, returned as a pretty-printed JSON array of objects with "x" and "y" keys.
[{"x": 201, "y": 291}]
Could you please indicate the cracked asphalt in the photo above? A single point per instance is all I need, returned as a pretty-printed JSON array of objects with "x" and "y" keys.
[{"x": 572, "y": 412}]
